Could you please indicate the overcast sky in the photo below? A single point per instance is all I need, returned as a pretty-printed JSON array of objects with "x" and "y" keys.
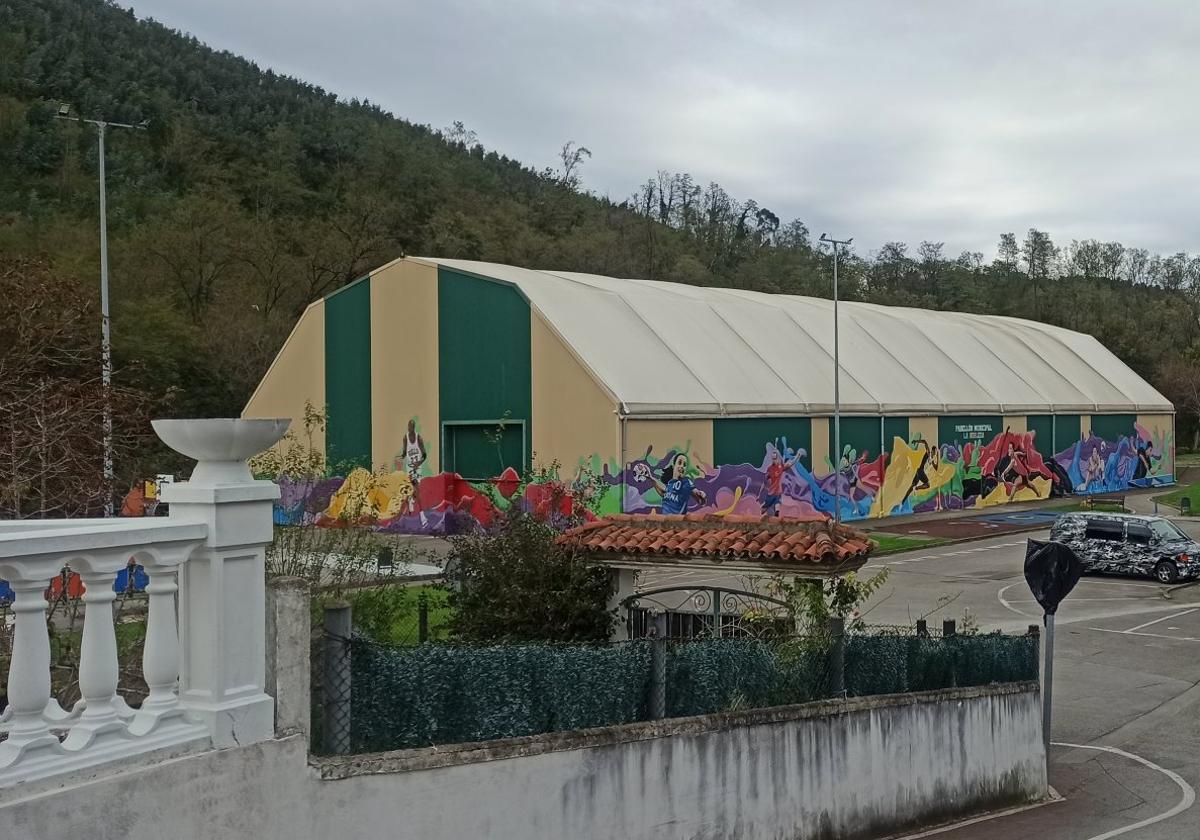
[{"x": 950, "y": 121}]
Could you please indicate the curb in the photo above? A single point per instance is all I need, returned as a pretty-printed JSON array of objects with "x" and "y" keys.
[{"x": 1022, "y": 530}]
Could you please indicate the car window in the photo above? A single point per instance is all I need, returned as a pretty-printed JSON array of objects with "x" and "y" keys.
[
  {"x": 1166, "y": 530},
  {"x": 1139, "y": 534},
  {"x": 1105, "y": 529}
]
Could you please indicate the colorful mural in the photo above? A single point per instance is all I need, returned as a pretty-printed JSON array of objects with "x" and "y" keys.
[{"x": 915, "y": 476}]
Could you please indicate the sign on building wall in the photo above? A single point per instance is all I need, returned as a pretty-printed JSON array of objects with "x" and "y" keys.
[{"x": 962, "y": 429}]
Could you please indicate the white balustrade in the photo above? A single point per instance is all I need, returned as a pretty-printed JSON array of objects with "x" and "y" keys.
[{"x": 212, "y": 652}]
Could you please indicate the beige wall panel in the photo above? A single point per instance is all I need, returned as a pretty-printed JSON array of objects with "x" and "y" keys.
[
  {"x": 1016, "y": 423},
  {"x": 665, "y": 435},
  {"x": 1159, "y": 426},
  {"x": 573, "y": 416},
  {"x": 297, "y": 375},
  {"x": 1085, "y": 425},
  {"x": 404, "y": 360},
  {"x": 926, "y": 427},
  {"x": 822, "y": 430}
]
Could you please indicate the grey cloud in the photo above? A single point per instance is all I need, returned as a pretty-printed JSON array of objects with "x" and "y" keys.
[{"x": 951, "y": 121}]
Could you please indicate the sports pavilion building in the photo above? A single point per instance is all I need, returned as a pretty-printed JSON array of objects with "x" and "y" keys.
[{"x": 500, "y": 367}]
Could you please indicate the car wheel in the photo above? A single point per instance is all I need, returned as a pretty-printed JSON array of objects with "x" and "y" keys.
[{"x": 1166, "y": 572}]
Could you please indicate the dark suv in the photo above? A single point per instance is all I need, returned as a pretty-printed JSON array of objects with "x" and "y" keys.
[{"x": 1125, "y": 544}]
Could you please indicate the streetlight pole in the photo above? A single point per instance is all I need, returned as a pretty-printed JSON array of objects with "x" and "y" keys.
[
  {"x": 837, "y": 397},
  {"x": 64, "y": 112}
]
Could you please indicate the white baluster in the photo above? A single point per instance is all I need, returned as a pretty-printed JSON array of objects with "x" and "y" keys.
[
  {"x": 97, "y": 664},
  {"x": 28, "y": 675},
  {"x": 160, "y": 658}
]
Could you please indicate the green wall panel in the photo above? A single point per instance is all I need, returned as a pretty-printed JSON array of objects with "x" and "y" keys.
[
  {"x": 1113, "y": 426},
  {"x": 1067, "y": 429},
  {"x": 860, "y": 433},
  {"x": 473, "y": 452},
  {"x": 484, "y": 367},
  {"x": 1042, "y": 426},
  {"x": 894, "y": 427},
  {"x": 969, "y": 428},
  {"x": 348, "y": 376},
  {"x": 742, "y": 440}
]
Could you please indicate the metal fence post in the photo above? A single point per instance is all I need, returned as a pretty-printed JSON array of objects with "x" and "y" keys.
[
  {"x": 922, "y": 628},
  {"x": 837, "y": 633},
  {"x": 949, "y": 628},
  {"x": 658, "y": 668},
  {"x": 335, "y": 679},
  {"x": 422, "y": 617}
]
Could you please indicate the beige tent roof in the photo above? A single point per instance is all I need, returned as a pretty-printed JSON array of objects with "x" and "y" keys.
[{"x": 671, "y": 349}]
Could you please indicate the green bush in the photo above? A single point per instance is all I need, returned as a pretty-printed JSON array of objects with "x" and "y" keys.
[{"x": 514, "y": 582}]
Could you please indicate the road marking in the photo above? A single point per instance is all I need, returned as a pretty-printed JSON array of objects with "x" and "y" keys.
[
  {"x": 1164, "y": 618},
  {"x": 1053, "y": 798},
  {"x": 1150, "y": 635},
  {"x": 1081, "y": 600},
  {"x": 1008, "y": 606},
  {"x": 1185, "y": 802}
]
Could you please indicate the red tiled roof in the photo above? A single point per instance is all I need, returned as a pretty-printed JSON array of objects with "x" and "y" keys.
[{"x": 769, "y": 540}]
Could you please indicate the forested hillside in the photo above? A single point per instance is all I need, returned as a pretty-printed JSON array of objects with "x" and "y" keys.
[{"x": 250, "y": 194}]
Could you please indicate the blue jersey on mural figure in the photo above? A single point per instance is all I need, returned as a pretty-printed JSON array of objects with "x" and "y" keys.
[
  {"x": 675, "y": 497},
  {"x": 676, "y": 487}
]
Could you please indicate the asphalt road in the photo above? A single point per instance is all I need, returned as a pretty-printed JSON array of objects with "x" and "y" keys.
[{"x": 1127, "y": 669}]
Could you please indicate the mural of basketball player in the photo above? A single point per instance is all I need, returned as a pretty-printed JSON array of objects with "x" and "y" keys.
[
  {"x": 773, "y": 488},
  {"x": 414, "y": 457},
  {"x": 676, "y": 487}
]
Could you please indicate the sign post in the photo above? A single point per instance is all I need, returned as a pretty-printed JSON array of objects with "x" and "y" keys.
[{"x": 1051, "y": 570}]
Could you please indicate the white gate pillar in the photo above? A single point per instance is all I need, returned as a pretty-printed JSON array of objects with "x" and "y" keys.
[{"x": 222, "y": 594}]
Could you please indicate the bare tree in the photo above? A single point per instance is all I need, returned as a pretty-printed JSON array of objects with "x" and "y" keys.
[
  {"x": 1180, "y": 378},
  {"x": 52, "y": 398}
]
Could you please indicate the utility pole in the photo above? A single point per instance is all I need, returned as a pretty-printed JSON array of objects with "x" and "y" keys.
[
  {"x": 837, "y": 397},
  {"x": 64, "y": 113}
]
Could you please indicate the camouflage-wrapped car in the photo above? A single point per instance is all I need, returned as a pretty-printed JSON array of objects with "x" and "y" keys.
[{"x": 1126, "y": 544}]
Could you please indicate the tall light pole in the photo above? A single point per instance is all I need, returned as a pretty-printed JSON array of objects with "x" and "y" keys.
[
  {"x": 837, "y": 397},
  {"x": 64, "y": 113}
]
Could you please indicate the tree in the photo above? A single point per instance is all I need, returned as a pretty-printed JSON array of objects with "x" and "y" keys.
[
  {"x": 1008, "y": 253},
  {"x": 1180, "y": 379},
  {"x": 52, "y": 398},
  {"x": 515, "y": 582}
]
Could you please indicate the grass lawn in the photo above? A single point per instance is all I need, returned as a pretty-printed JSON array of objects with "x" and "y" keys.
[
  {"x": 892, "y": 543},
  {"x": 1191, "y": 491},
  {"x": 1100, "y": 506},
  {"x": 1187, "y": 459},
  {"x": 391, "y": 614}
]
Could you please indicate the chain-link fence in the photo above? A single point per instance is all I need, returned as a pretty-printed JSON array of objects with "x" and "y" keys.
[{"x": 378, "y": 697}]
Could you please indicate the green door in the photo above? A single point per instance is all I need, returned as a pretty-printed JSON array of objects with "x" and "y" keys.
[{"x": 479, "y": 451}]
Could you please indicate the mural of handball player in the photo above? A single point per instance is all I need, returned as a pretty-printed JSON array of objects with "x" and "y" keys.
[
  {"x": 774, "y": 485},
  {"x": 675, "y": 486}
]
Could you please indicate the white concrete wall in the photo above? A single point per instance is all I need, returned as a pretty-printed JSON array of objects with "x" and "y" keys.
[{"x": 826, "y": 770}]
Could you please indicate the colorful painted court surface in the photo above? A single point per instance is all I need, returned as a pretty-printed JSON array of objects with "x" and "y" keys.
[
  {"x": 914, "y": 477},
  {"x": 972, "y": 527}
]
